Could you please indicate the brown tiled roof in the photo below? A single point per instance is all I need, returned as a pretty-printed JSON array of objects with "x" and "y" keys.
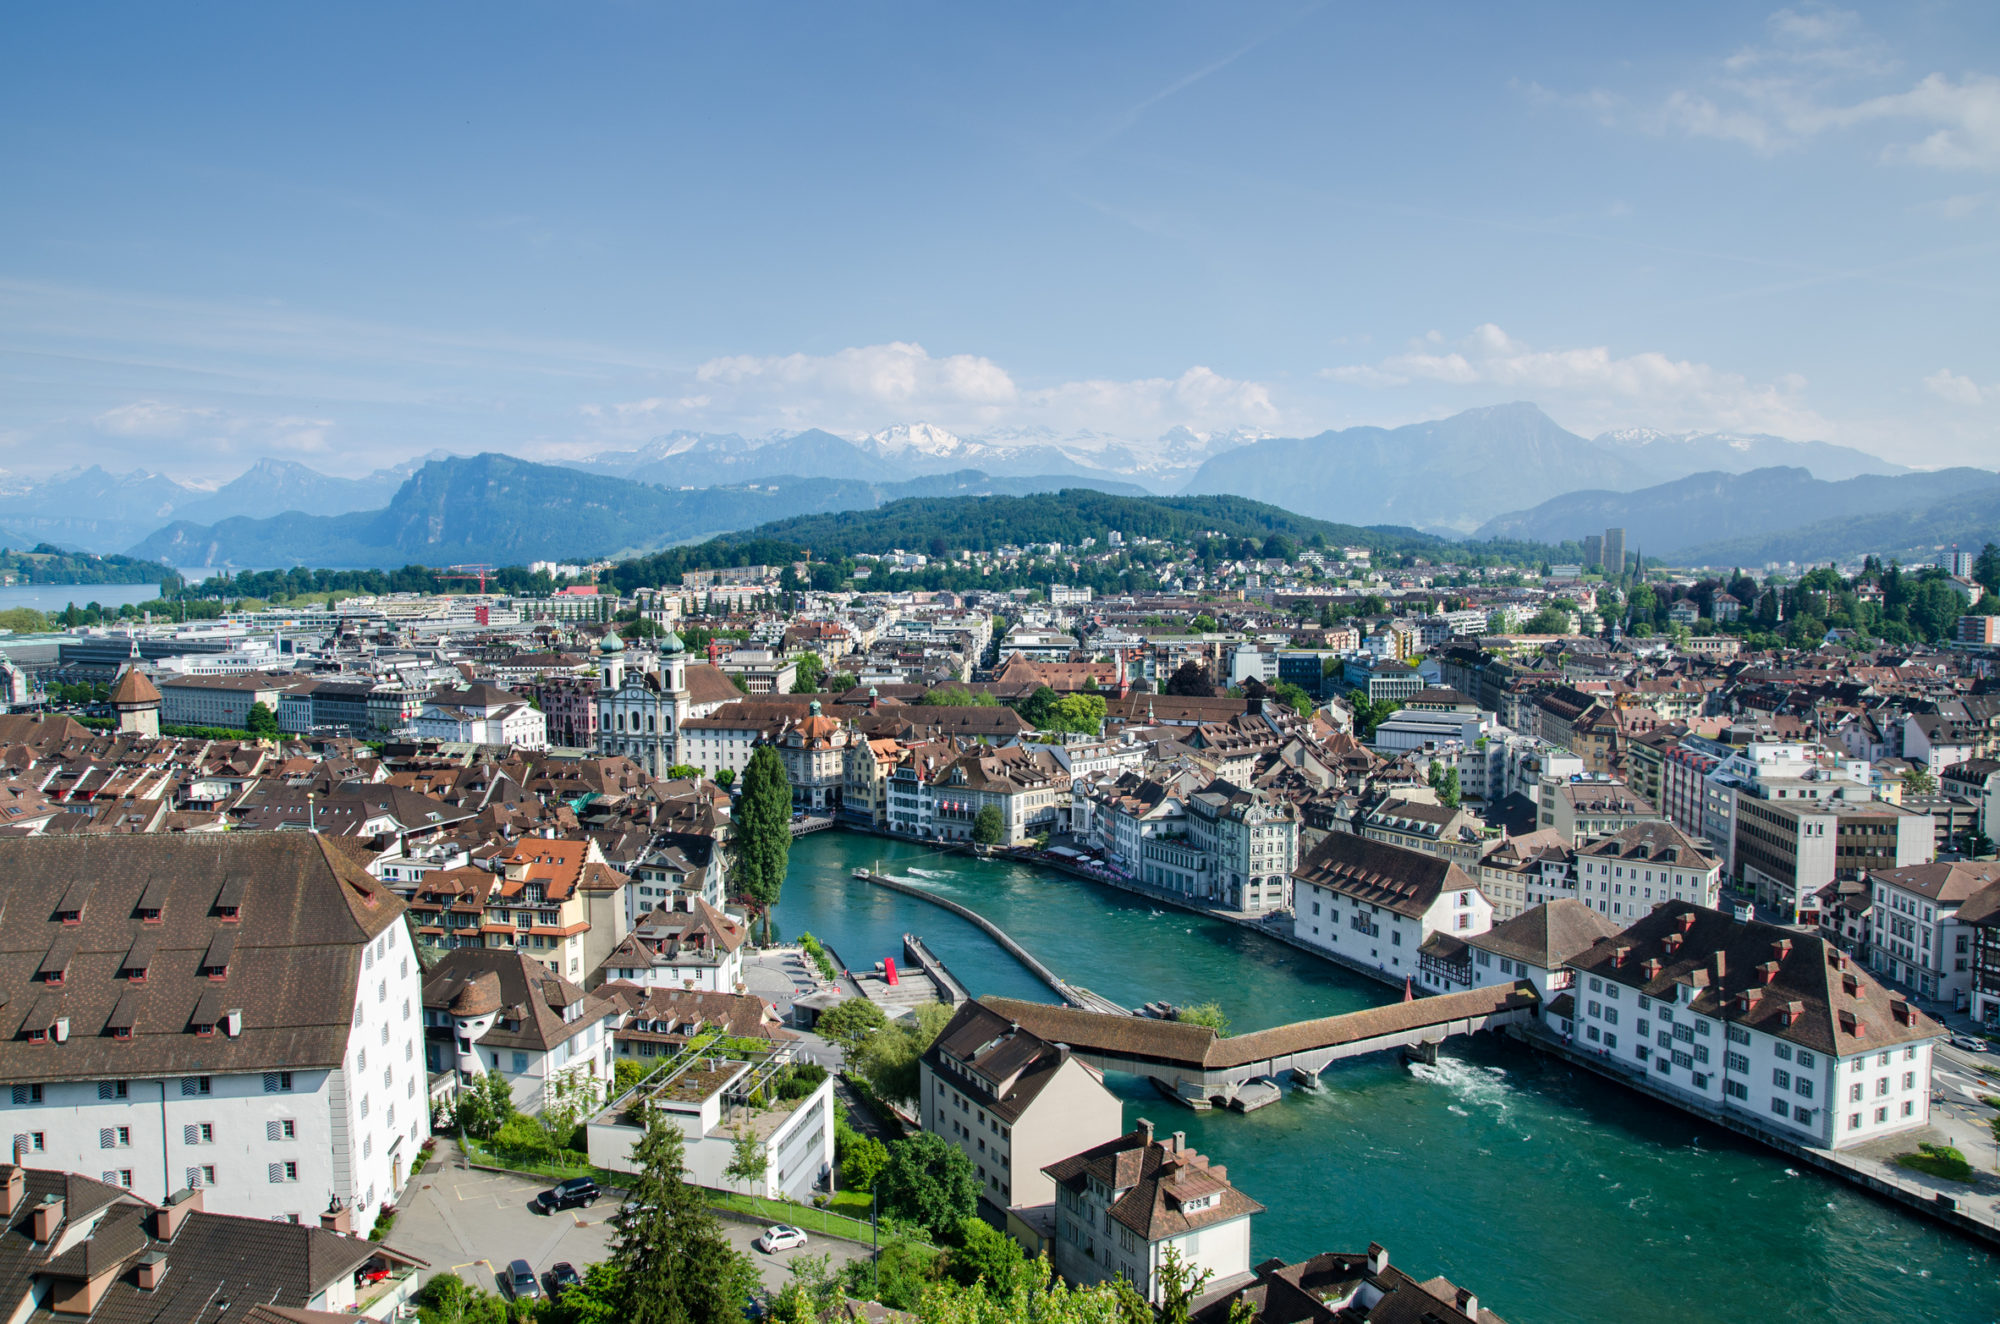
[
  {"x": 1948, "y": 882},
  {"x": 1547, "y": 935},
  {"x": 1652, "y": 843},
  {"x": 304, "y": 914},
  {"x": 1793, "y": 985},
  {"x": 1300, "y": 1294},
  {"x": 133, "y": 688},
  {"x": 532, "y": 996},
  {"x": 1158, "y": 1180},
  {"x": 1405, "y": 881},
  {"x": 994, "y": 1060}
]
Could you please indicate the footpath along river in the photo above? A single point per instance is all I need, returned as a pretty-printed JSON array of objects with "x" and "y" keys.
[{"x": 1555, "y": 1196}]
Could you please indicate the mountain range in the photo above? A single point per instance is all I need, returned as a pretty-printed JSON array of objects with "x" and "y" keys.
[
  {"x": 1739, "y": 518},
  {"x": 105, "y": 512},
  {"x": 498, "y": 509},
  {"x": 1454, "y": 474}
]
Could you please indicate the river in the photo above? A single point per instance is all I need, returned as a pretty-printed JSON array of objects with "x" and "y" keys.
[{"x": 1552, "y": 1194}]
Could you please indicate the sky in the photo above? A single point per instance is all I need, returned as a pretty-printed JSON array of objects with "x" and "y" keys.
[{"x": 352, "y": 234}]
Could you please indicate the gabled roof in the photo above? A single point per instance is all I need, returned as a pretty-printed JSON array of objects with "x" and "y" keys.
[
  {"x": 302, "y": 914},
  {"x": 532, "y": 996},
  {"x": 1405, "y": 881},
  {"x": 1159, "y": 1189},
  {"x": 1547, "y": 935},
  {"x": 993, "y": 1060}
]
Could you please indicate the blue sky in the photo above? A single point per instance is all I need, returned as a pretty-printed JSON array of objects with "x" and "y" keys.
[{"x": 348, "y": 234}]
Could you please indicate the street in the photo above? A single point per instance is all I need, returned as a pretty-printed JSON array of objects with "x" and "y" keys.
[{"x": 473, "y": 1223}]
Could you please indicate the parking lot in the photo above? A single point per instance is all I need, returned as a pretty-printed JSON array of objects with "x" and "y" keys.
[{"x": 473, "y": 1223}]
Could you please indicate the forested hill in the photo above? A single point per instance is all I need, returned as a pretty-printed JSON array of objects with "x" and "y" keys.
[{"x": 938, "y": 526}]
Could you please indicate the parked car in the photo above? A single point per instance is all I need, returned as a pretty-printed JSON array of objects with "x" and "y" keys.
[
  {"x": 576, "y": 1193},
  {"x": 562, "y": 1277},
  {"x": 522, "y": 1284},
  {"x": 1968, "y": 1043},
  {"x": 781, "y": 1237}
]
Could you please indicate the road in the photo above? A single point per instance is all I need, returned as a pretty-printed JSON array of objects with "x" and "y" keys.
[{"x": 471, "y": 1223}]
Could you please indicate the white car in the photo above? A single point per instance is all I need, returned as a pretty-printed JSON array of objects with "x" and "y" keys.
[
  {"x": 1966, "y": 1043},
  {"x": 781, "y": 1237}
]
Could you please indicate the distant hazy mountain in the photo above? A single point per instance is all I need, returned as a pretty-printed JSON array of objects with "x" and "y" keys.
[
  {"x": 103, "y": 512},
  {"x": 1967, "y": 519},
  {"x": 1766, "y": 505},
  {"x": 1676, "y": 454},
  {"x": 500, "y": 509},
  {"x": 1450, "y": 475}
]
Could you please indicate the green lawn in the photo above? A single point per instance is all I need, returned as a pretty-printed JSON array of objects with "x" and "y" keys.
[
  {"x": 798, "y": 1215},
  {"x": 1939, "y": 1161}
]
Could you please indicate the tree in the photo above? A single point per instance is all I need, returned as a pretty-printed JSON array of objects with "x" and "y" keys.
[
  {"x": 485, "y": 1106},
  {"x": 1081, "y": 714},
  {"x": 683, "y": 772},
  {"x": 1204, "y": 1013},
  {"x": 261, "y": 721},
  {"x": 810, "y": 669},
  {"x": 1549, "y": 620},
  {"x": 677, "y": 1266},
  {"x": 862, "y": 1162},
  {"x": 1449, "y": 792},
  {"x": 748, "y": 1160},
  {"x": 840, "y": 682},
  {"x": 929, "y": 1181},
  {"x": 851, "y": 1023},
  {"x": 1293, "y": 697},
  {"x": 988, "y": 826},
  {"x": 888, "y": 1060},
  {"x": 1986, "y": 569},
  {"x": 763, "y": 831},
  {"x": 1918, "y": 781},
  {"x": 726, "y": 778},
  {"x": 1190, "y": 680},
  {"x": 987, "y": 1255},
  {"x": 1204, "y": 624},
  {"x": 1039, "y": 708},
  {"x": 449, "y": 1299}
]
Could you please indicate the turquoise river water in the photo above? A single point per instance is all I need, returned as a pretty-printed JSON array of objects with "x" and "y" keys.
[{"x": 1555, "y": 1196}]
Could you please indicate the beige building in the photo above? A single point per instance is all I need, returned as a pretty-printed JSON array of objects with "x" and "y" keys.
[{"x": 1012, "y": 1103}]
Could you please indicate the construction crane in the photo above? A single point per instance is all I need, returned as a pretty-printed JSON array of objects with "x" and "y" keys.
[{"x": 482, "y": 573}]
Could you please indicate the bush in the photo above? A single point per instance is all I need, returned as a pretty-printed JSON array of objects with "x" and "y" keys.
[
  {"x": 800, "y": 1080},
  {"x": 1204, "y": 1013}
]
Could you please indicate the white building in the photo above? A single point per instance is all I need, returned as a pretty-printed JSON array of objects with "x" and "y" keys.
[
  {"x": 686, "y": 944},
  {"x": 1623, "y": 875},
  {"x": 236, "y": 1012},
  {"x": 1774, "y": 1026},
  {"x": 640, "y": 711},
  {"x": 1916, "y": 937},
  {"x": 482, "y": 714},
  {"x": 1372, "y": 905},
  {"x": 1011, "y": 1103},
  {"x": 492, "y": 1009},
  {"x": 223, "y": 701},
  {"x": 1121, "y": 1206}
]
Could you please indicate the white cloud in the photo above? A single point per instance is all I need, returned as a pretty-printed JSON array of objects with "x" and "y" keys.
[
  {"x": 155, "y": 419},
  {"x": 1648, "y": 386},
  {"x": 1948, "y": 385},
  {"x": 864, "y": 388},
  {"x": 1818, "y": 71}
]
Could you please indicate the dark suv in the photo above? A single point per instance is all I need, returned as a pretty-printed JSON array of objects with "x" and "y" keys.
[{"x": 575, "y": 1193}]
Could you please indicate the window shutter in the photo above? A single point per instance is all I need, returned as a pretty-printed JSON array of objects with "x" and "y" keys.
[
  {"x": 277, "y": 1171},
  {"x": 274, "y": 1131},
  {"x": 189, "y": 1085},
  {"x": 20, "y": 1096},
  {"x": 103, "y": 1089},
  {"x": 107, "y": 1137},
  {"x": 194, "y": 1179},
  {"x": 191, "y": 1135},
  {"x": 108, "y": 1178},
  {"x": 20, "y": 1142}
]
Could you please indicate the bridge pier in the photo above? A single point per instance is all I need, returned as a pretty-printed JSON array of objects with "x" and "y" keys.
[
  {"x": 1191, "y": 1094},
  {"x": 1307, "y": 1082},
  {"x": 1424, "y": 1050}
]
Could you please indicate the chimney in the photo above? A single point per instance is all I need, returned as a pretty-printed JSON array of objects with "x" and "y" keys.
[
  {"x": 1652, "y": 967},
  {"x": 152, "y": 1268},
  {"x": 1180, "y": 1142},
  {"x": 1468, "y": 1304},
  {"x": 13, "y": 1188},
  {"x": 1672, "y": 942},
  {"x": 232, "y": 1022},
  {"x": 1687, "y": 926},
  {"x": 1145, "y": 1132},
  {"x": 1378, "y": 1259},
  {"x": 1767, "y": 972},
  {"x": 1720, "y": 963},
  {"x": 336, "y": 1219},
  {"x": 48, "y": 1217},
  {"x": 168, "y": 1218},
  {"x": 1781, "y": 949}
]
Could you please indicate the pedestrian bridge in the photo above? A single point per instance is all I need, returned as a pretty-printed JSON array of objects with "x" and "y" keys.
[{"x": 1195, "y": 1065}]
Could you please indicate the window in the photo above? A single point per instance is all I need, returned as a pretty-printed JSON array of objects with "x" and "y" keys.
[
  {"x": 198, "y": 1133},
  {"x": 29, "y": 1140},
  {"x": 1881, "y": 1086},
  {"x": 193, "y": 1085},
  {"x": 1738, "y": 1035},
  {"x": 1783, "y": 1052},
  {"x": 1853, "y": 1121},
  {"x": 114, "y": 1137},
  {"x": 1854, "y": 1092},
  {"x": 283, "y": 1172},
  {"x": 1803, "y": 1085},
  {"x": 520, "y": 1062},
  {"x": 27, "y": 1094},
  {"x": 281, "y": 1129},
  {"x": 1802, "y": 1115},
  {"x": 276, "y": 1082},
  {"x": 1781, "y": 1078},
  {"x": 1806, "y": 1060},
  {"x": 110, "y": 1089},
  {"x": 1780, "y": 1107},
  {"x": 1881, "y": 1114},
  {"x": 1909, "y": 1108}
]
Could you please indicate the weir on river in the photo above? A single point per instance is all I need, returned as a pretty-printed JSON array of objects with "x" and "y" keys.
[{"x": 1558, "y": 1196}]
